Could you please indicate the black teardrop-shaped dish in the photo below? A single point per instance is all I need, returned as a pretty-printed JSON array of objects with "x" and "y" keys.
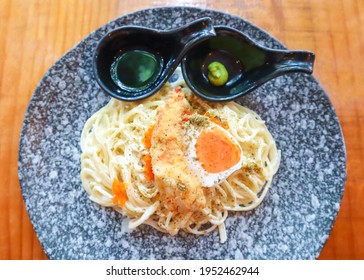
[
  {"x": 248, "y": 64},
  {"x": 163, "y": 49}
]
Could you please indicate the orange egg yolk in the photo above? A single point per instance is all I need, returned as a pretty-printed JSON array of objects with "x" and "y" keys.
[{"x": 216, "y": 151}]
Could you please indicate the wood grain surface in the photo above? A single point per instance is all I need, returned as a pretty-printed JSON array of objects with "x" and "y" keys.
[{"x": 35, "y": 33}]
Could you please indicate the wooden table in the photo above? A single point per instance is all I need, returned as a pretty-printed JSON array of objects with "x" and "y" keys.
[{"x": 35, "y": 33}]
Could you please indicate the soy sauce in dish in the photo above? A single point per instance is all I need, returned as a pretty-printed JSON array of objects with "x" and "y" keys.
[{"x": 135, "y": 70}]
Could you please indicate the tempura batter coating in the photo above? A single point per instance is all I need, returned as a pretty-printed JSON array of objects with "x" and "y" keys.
[{"x": 179, "y": 187}]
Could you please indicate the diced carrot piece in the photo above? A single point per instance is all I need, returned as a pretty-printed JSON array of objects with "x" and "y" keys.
[
  {"x": 147, "y": 140},
  {"x": 148, "y": 171},
  {"x": 119, "y": 190}
]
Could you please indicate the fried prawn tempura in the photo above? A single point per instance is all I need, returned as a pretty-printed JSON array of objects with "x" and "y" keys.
[{"x": 180, "y": 188}]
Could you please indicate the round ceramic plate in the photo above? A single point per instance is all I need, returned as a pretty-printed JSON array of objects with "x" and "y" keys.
[{"x": 293, "y": 222}]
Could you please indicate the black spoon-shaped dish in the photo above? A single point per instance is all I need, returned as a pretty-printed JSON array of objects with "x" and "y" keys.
[
  {"x": 248, "y": 64},
  {"x": 132, "y": 62}
]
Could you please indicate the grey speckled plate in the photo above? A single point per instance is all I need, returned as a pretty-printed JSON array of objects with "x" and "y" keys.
[{"x": 293, "y": 222}]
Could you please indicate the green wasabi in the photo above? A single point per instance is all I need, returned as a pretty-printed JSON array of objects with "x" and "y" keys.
[{"x": 218, "y": 75}]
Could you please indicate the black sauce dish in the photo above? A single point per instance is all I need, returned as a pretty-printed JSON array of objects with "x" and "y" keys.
[
  {"x": 248, "y": 64},
  {"x": 132, "y": 63}
]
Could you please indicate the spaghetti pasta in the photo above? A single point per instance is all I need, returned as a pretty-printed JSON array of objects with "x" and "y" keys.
[{"x": 116, "y": 155}]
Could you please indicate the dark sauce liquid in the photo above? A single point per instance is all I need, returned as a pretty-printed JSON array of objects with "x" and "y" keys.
[
  {"x": 135, "y": 70},
  {"x": 232, "y": 64}
]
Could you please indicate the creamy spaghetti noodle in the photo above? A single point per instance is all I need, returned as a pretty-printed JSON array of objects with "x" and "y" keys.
[{"x": 114, "y": 160}]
